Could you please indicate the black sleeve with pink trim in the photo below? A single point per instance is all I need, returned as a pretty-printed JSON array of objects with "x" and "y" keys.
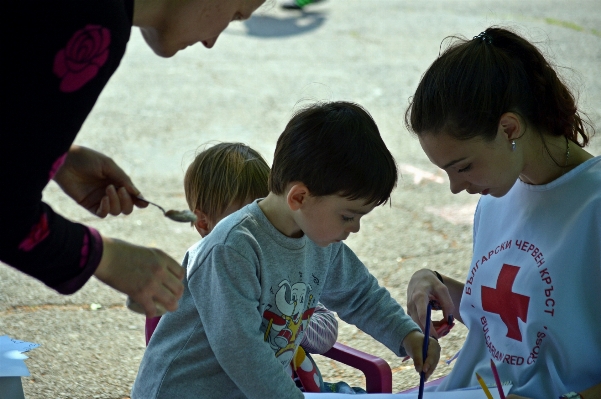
[{"x": 57, "y": 56}]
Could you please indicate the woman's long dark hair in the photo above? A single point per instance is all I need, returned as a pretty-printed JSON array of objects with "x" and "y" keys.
[{"x": 473, "y": 82}]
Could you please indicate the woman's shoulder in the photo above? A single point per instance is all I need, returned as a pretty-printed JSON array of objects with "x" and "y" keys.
[
  {"x": 586, "y": 180},
  {"x": 592, "y": 167}
]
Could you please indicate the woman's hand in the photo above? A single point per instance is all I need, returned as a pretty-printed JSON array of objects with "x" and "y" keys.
[
  {"x": 97, "y": 183},
  {"x": 149, "y": 276},
  {"x": 424, "y": 287},
  {"x": 413, "y": 344}
]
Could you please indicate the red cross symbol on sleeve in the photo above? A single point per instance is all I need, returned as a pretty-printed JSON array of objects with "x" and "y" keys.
[{"x": 506, "y": 303}]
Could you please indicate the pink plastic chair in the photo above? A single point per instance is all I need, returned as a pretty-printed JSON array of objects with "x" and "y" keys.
[{"x": 378, "y": 375}]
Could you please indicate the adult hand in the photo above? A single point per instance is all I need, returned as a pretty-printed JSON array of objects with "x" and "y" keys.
[
  {"x": 413, "y": 344},
  {"x": 97, "y": 183},
  {"x": 149, "y": 276},
  {"x": 510, "y": 396},
  {"x": 423, "y": 287}
]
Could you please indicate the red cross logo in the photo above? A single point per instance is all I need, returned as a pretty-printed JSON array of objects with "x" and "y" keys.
[{"x": 506, "y": 303}]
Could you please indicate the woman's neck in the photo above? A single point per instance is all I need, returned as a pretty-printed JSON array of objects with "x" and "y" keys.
[
  {"x": 550, "y": 157},
  {"x": 148, "y": 13}
]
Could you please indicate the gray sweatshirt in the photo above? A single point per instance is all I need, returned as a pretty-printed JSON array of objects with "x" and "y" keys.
[{"x": 249, "y": 293}]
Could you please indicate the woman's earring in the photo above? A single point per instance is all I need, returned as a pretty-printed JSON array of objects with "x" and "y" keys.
[{"x": 512, "y": 145}]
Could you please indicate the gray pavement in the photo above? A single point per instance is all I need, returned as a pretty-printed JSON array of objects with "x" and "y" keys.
[{"x": 155, "y": 113}]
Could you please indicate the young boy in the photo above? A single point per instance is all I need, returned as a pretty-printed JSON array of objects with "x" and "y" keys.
[
  {"x": 254, "y": 282},
  {"x": 221, "y": 180}
]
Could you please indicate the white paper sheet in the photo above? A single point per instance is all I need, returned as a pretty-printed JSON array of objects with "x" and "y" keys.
[
  {"x": 468, "y": 393},
  {"x": 11, "y": 357}
]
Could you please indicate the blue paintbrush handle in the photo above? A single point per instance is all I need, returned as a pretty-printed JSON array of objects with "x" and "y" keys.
[{"x": 422, "y": 375}]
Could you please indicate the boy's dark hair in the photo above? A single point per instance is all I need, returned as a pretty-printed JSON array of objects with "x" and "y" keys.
[
  {"x": 334, "y": 148},
  {"x": 473, "y": 82}
]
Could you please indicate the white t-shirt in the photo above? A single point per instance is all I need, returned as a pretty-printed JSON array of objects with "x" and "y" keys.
[{"x": 532, "y": 299}]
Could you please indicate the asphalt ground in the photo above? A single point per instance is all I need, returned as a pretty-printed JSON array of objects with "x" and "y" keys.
[{"x": 155, "y": 113}]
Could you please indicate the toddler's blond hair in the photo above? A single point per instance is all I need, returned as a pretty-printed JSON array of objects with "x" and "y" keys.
[{"x": 223, "y": 175}]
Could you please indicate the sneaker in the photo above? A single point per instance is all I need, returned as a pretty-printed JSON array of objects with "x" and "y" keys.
[{"x": 297, "y": 4}]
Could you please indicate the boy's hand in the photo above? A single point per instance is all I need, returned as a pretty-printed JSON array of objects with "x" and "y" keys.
[{"x": 413, "y": 344}]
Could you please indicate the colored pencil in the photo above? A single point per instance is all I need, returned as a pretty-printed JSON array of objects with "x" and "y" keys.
[
  {"x": 495, "y": 373},
  {"x": 422, "y": 375},
  {"x": 484, "y": 387}
]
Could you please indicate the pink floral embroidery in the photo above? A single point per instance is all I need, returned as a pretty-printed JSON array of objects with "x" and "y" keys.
[
  {"x": 36, "y": 235},
  {"x": 82, "y": 58},
  {"x": 85, "y": 249},
  {"x": 56, "y": 166}
]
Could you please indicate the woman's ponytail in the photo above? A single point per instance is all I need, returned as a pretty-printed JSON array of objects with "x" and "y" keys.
[
  {"x": 554, "y": 106},
  {"x": 473, "y": 82}
]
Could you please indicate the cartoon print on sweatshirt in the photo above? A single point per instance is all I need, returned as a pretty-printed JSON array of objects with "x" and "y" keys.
[
  {"x": 514, "y": 324},
  {"x": 284, "y": 324}
]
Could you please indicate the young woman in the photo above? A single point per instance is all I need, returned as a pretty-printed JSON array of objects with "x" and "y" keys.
[{"x": 493, "y": 113}]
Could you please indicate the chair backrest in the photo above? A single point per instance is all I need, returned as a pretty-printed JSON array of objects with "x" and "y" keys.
[{"x": 378, "y": 375}]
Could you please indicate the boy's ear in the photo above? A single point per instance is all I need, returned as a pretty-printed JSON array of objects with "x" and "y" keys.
[
  {"x": 202, "y": 223},
  {"x": 510, "y": 125},
  {"x": 297, "y": 195}
]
